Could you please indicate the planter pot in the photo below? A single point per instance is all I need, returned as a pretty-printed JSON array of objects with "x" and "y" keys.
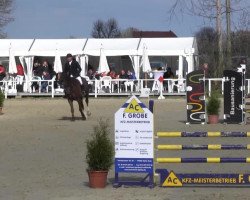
[
  {"x": 97, "y": 179},
  {"x": 213, "y": 119}
]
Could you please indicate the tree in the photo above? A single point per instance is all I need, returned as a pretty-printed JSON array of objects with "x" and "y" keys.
[
  {"x": 208, "y": 50},
  {"x": 128, "y": 32},
  {"x": 5, "y": 15},
  {"x": 212, "y": 10},
  {"x": 108, "y": 29}
]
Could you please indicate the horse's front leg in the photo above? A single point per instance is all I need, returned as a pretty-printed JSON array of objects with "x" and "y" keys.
[
  {"x": 72, "y": 109},
  {"x": 81, "y": 109}
]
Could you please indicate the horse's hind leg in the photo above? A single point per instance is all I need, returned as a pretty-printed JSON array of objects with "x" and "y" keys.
[
  {"x": 81, "y": 109},
  {"x": 72, "y": 109},
  {"x": 87, "y": 100}
]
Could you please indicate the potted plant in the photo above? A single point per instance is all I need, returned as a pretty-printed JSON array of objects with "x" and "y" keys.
[
  {"x": 100, "y": 155},
  {"x": 213, "y": 108},
  {"x": 1, "y": 101}
]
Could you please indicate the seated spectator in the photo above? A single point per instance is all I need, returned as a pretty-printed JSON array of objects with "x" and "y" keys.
[
  {"x": 37, "y": 69},
  {"x": 130, "y": 83},
  {"x": 90, "y": 74},
  {"x": 37, "y": 74},
  {"x": 46, "y": 67},
  {"x": 122, "y": 75},
  {"x": 131, "y": 75},
  {"x": 44, "y": 84},
  {"x": 112, "y": 74}
]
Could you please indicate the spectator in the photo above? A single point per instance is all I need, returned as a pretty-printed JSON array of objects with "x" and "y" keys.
[
  {"x": 112, "y": 74},
  {"x": 90, "y": 74},
  {"x": 48, "y": 68},
  {"x": 37, "y": 73},
  {"x": 131, "y": 75},
  {"x": 204, "y": 67},
  {"x": 44, "y": 84},
  {"x": 37, "y": 69},
  {"x": 2, "y": 72},
  {"x": 122, "y": 75},
  {"x": 166, "y": 75},
  {"x": 19, "y": 78}
]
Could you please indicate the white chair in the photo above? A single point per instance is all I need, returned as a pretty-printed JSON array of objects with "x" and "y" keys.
[
  {"x": 180, "y": 84},
  {"x": 38, "y": 80},
  {"x": 19, "y": 79},
  {"x": 87, "y": 79},
  {"x": 129, "y": 83},
  {"x": 11, "y": 85},
  {"x": 50, "y": 84},
  {"x": 105, "y": 82}
]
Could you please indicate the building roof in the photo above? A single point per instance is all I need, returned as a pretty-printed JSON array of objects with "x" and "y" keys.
[{"x": 153, "y": 34}]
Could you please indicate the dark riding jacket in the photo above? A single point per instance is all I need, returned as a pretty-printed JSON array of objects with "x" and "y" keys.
[{"x": 74, "y": 69}]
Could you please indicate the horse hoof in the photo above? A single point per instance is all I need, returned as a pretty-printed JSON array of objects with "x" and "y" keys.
[{"x": 83, "y": 118}]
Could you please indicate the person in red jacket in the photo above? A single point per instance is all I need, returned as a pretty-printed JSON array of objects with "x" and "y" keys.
[
  {"x": 2, "y": 72},
  {"x": 19, "y": 77},
  {"x": 20, "y": 71}
]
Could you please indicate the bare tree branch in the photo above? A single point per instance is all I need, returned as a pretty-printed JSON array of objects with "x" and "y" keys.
[
  {"x": 5, "y": 15},
  {"x": 109, "y": 29}
]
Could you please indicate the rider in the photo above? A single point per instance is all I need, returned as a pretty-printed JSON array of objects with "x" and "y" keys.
[{"x": 73, "y": 69}]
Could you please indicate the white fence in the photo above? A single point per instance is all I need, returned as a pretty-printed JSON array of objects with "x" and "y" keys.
[{"x": 115, "y": 87}]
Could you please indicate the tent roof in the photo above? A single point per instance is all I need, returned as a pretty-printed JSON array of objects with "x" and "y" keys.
[
  {"x": 112, "y": 47},
  {"x": 51, "y": 47},
  {"x": 167, "y": 46},
  {"x": 18, "y": 46}
]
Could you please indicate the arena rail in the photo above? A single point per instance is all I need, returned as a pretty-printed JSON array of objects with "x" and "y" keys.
[{"x": 170, "y": 87}]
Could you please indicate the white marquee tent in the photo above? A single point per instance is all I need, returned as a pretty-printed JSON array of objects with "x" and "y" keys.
[
  {"x": 184, "y": 48},
  {"x": 20, "y": 47}
]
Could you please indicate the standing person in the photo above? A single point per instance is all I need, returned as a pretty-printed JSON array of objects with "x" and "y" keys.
[
  {"x": 2, "y": 72},
  {"x": 205, "y": 69},
  {"x": 19, "y": 77}
]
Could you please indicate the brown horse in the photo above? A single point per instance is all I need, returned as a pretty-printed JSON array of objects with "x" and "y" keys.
[{"x": 75, "y": 92}]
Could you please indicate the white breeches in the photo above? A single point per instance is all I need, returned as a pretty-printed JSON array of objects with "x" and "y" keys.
[{"x": 79, "y": 79}]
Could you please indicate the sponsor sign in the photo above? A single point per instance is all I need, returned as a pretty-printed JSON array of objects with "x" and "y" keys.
[
  {"x": 134, "y": 150},
  {"x": 171, "y": 179}
]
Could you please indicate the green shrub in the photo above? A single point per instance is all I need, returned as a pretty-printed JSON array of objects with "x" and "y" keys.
[
  {"x": 1, "y": 98},
  {"x": 100, "y": 149},
  {"x": 213, "y": 104}
]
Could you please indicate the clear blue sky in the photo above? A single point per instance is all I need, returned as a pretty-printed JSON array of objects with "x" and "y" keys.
[{"x": 64, "y": 18}]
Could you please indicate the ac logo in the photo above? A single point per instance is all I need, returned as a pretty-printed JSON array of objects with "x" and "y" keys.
[
  {"x": 172, "y": 181},
  {"x": 134, "y": 107}
]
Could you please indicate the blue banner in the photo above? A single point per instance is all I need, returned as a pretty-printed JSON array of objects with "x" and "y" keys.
[{"x": 171, "y": 179}]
